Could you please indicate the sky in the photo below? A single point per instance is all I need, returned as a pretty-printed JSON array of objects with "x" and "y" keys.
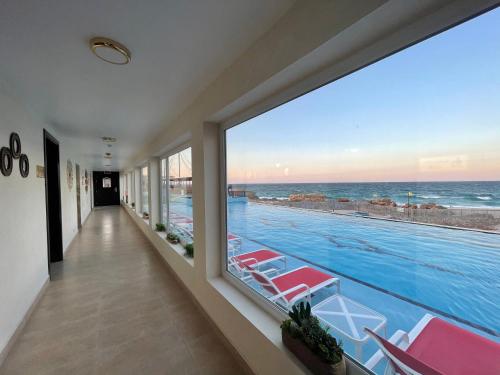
[
  {"x": 182, "y": 159},
  {"x": 428, "y": 113}
]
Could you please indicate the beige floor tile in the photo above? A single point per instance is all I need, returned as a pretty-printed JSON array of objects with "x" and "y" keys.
[{"x": 114, "y": 308}]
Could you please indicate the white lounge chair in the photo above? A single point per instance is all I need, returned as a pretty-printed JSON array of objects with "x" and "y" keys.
[
  {"x": 290, "y": 287},
  {"x": 255, "y": 259},
  {"x": 436, "y": 347}
]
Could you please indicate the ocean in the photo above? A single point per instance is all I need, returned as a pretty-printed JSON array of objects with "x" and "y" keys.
[{"x": 473, "y": 194}]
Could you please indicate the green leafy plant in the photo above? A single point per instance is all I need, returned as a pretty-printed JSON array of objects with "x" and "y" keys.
[
  {"x": 307, "y": 328},
  {"x": 189, "y": 250},
  {"x": 133, "y": 205},
  {"x": 173, "y": 238},
  {"x": 160, "y": 227},
  {"x": 300, "y": 313}
]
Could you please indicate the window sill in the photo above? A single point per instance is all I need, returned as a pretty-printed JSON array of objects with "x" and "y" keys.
[
  {"x": 267, "y": 323},
  {"x": 178, "y": 248}
]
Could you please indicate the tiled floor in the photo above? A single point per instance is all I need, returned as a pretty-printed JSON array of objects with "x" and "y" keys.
[{"x": 114, "y": 308}]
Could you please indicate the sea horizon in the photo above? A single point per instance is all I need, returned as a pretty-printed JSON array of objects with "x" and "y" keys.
[{"x": 457, "y": 194}]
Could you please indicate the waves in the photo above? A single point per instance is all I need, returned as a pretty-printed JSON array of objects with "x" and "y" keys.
[
  {"x": 485, "y": 198},
  {"x": 468, "y": 194}
]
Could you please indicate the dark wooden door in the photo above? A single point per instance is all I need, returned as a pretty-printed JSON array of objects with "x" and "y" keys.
[
  {"x": 106, "y": 188},
  {"x": 53, "y": 199}
]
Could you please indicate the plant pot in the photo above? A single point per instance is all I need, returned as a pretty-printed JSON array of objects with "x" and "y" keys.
[{"x": 311, "y": 360}]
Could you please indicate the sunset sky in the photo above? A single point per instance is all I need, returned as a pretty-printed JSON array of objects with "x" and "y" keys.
[{"x": 429, "y": 113}]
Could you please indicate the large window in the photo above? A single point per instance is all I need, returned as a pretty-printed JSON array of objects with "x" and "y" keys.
[
  {"x": 145, "y": 191},
  {"x": 376, "y": 197},
  {"x": 176, "y": 196}
]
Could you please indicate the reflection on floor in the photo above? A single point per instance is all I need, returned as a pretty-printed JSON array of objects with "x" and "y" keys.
[{"x": 114, "y": 308}]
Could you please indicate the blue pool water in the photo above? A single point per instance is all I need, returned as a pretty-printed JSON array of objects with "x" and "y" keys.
[{"x": 402, "y": 270}]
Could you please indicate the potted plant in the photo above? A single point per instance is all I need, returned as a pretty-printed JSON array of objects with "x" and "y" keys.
[
  {"x": 189, "y": 250},
  {"x": 173, "y": 238},
  {"x": 133, "y": 205},
  {"x": 145, "y": 215},
  {"x": 304, "y": 336},
  {"x": 160, "y": 227}
]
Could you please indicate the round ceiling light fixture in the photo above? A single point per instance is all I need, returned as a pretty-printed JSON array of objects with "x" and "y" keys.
[{"x": 110, "y": 51}]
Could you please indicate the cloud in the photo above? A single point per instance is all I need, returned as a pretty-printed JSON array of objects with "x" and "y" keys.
[
  {"x": 444, "y": 163},
  {"x": 353, "y": 150}
]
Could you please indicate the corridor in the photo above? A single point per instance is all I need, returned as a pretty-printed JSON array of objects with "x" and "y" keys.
[{"x": 113, "y": 307}]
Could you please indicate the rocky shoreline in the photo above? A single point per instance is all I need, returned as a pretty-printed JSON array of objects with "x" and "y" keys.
[{"x": 385, "y": 208}]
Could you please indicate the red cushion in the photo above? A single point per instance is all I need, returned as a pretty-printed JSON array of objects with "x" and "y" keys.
[
  {"x": 258, "y": 255},
  {"x": 405, "y": 358},
  {"x": 453, "y": 350},
  {"x": 307, "y": 275}
]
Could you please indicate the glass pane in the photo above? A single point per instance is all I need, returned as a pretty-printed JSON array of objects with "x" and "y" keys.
[
  {"x": 164, "y": 191},
  {"x": 106, "y": 182},
  {"x": 145, "y": 190},
  {"x": 180, "y": 205},
  {"x": 383, "y": 183}
]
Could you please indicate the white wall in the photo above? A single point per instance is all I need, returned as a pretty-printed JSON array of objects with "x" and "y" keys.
[
  {"x": 68, "y": 197},
  {"x": 312, "y": 43},
  {"x": 23, "y": 245},
  {"x": 23, "y": 241}
]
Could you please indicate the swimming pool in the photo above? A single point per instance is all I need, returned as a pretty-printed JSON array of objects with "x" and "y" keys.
[
  {"x": 400, "y": 270},
  {"x": 449, "y": 272}
]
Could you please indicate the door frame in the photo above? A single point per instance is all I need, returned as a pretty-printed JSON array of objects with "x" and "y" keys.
[
  {"x": 97, "y": 189},
  {"x": 49, "y": 137},
  {"x": 78, "y": 196}
]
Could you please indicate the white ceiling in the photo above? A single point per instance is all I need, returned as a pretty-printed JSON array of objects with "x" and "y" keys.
[{"x": 178, "y": 48}]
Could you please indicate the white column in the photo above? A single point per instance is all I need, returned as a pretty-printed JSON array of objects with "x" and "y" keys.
[
  {"x": 137, "y": 191},
  {"x": 206, "y": 201},
  {"x": 122, "y": 185},
  {"x": 154, "y": 191},
  {"x": 130, "y": 188}
]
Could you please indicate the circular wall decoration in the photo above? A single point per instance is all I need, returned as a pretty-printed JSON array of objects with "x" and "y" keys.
[
  {"x": 15, "y": 145},
  {"x": 24, "y": 165},
  {"x": 69, "y": 174},
  {"x": 6, "y": 161}
]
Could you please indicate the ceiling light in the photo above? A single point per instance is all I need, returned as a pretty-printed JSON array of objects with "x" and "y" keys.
[
  {"x": 110, "y": 51},
  {"x": 108, "y": 139}
]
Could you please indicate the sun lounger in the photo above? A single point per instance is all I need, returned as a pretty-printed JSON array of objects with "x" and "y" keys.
[
  {"x": 234, "y": 242},
  {"x": 292, "y": 286},
  {"x": 436, "y": 347},
  {"x": 255, "y": 259}
]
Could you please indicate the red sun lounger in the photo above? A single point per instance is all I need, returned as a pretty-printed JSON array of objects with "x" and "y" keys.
[
  {"x": 254, "y": 259},
  {"x": 436, "y": 347},
  {"x": 292, "y": 286}
]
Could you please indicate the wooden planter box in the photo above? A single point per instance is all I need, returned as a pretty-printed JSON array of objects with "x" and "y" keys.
[{"x": 309, "y": 359}]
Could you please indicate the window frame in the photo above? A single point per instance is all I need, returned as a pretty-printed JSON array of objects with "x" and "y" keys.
[
  {"x": 287, "y": 94},
  {"x": 141, "y": 177},
  {"x": 165, "y": 156},
  {"x": 255, "y": 296}
]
